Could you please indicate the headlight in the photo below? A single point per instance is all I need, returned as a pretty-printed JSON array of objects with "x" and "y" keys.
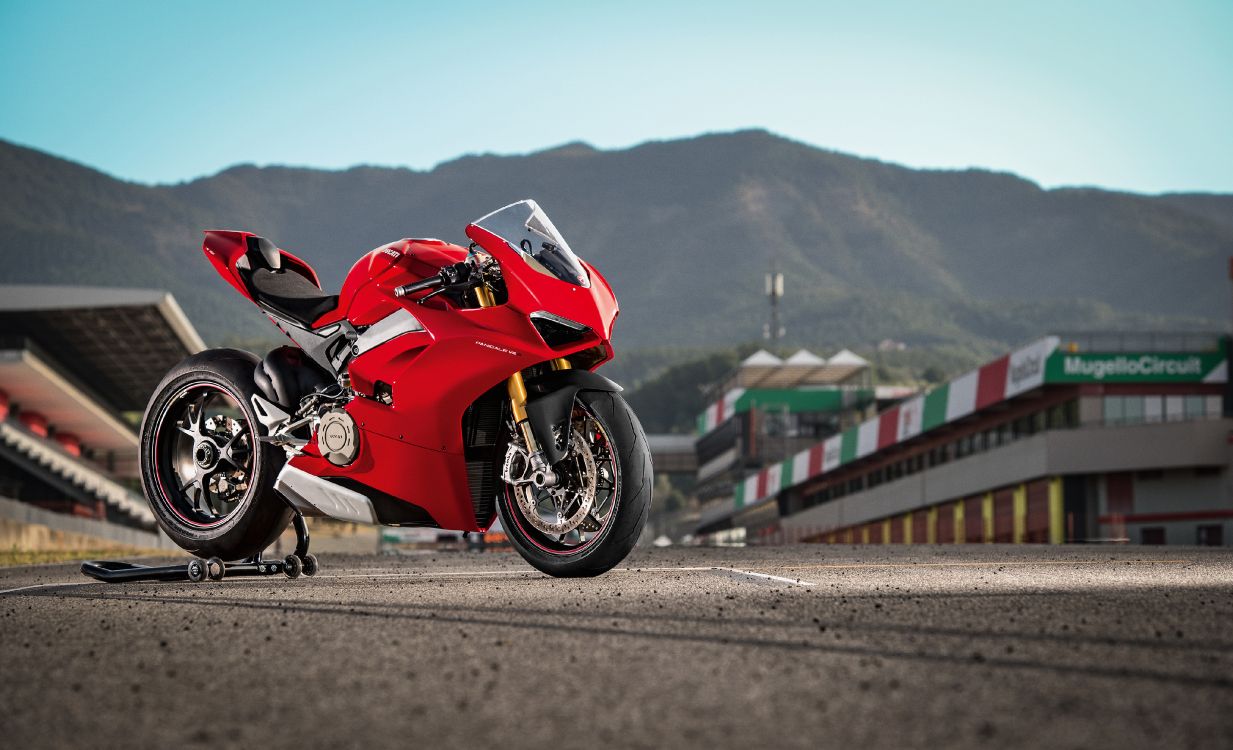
[{"x": 557, "y": 331}]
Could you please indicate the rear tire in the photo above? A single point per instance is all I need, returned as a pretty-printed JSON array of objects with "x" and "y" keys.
[
  {"x": 257, "y": 518},
  {"x": 632, "y": 464}
]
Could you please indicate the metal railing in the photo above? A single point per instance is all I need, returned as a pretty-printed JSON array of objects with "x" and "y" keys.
[{"x": 1140, "y": 341}]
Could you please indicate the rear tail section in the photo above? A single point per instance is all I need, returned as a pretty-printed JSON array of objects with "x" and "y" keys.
[{"x": 235, "y": 255}]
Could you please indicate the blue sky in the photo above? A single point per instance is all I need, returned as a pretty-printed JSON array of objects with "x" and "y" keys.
[{"x": 1129, "y": 95}]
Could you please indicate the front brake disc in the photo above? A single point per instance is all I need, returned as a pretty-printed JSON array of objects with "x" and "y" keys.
[{"x": 579, "y": 486}]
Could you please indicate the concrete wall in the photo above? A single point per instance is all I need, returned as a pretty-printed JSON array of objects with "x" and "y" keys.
[
  {"x": 1136, "y": 447},
  {"x": 27, "y": 528},
  {"x": 1178, "y": 491},
  {"x": 1087, "y": 450}
]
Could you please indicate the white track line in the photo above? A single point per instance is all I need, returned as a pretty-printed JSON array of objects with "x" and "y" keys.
[
  {"x": 46, "y": 586},
  {"x": 982, "y": 564},
  {"x": 769, "y": 577},
  {"x": 449, "y": 573}
]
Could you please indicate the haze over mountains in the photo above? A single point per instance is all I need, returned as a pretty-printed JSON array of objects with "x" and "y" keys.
[{"x": 684, "y": 230}]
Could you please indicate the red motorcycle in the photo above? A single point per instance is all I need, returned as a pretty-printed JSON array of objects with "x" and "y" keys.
[{"x": 444, "y": 387}]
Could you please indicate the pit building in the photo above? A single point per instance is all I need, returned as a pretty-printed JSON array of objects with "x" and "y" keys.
[{"x": 1070, "y": 438}]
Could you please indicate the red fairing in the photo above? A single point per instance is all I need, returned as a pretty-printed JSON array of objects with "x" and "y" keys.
[
  {"x": 594, "y": 306},
  {"x": 412, "y": 449},
  {"x": 363, "y": 301}
]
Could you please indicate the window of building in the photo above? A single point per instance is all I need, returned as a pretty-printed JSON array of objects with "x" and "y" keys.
[
  {"x": 1152, "y": 535},
  {"x": 1132, "y": 409},
  {"x": 1115, "y": 409},
  {"x": 775, "y": 423},
  {"x": 1153, "y": 409},
  {"x": 1195, "y": 407},
  {"x": 1215, "y": 407},
  {"x": 941, "y": 455},
  {"x": 1210, "y": 535}
]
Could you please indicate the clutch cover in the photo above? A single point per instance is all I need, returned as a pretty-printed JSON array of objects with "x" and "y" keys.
[{"x": 337, "y": 437}]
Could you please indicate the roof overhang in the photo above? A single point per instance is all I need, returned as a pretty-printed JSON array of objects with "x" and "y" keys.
[
  {"x": 120, "y": 341},
  {"x": 34, "y": 384},
  {"x": 764, "y": 370}
]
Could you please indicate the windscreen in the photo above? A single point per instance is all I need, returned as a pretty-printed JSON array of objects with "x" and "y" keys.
[{"x": 529, "y": 231}]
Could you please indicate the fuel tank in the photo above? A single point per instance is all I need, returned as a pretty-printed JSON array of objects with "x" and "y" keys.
[{"x": 367, "y": 292}]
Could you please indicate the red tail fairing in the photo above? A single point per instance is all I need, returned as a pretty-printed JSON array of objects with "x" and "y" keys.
[{"x": 225, "y": 248}]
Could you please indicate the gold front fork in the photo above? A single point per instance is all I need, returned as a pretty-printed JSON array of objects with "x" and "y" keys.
[{"x": 516, "y": 387}]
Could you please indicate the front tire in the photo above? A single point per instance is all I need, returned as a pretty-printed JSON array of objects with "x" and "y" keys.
[
  {"x": 628, "y": 460},
  {"x": 207, "y": 476}
]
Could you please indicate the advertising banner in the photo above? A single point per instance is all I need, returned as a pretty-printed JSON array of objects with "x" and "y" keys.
[{"x": 1126, "y": 367}]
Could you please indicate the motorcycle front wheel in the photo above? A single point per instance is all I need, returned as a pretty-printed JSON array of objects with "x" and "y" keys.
[{"x": 593, "y": 517}]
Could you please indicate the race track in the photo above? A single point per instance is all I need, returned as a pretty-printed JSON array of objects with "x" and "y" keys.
[{"x": 805, "y": 646}]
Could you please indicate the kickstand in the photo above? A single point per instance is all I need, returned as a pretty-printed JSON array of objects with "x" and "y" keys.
[{"x": 197, "y": 569}]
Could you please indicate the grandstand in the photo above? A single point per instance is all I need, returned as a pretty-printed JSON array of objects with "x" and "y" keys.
[{"x": 77, "y": 365}]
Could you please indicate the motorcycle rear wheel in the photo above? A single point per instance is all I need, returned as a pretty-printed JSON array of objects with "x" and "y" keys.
[
  {"x": 207, "y": 476},
  {"x": 621, "y": 460}
]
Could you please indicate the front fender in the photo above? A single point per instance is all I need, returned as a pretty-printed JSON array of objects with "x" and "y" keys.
[{"x": 551, "y": 400}]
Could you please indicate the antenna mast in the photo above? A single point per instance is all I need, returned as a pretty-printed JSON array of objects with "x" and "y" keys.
[{"x": 774, "y": 291}]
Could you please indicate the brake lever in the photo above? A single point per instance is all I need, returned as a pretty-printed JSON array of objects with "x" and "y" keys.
[{"x": 434, "y": 293}]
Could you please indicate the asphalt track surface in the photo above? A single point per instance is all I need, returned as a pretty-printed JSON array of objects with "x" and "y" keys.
[{"x": 805, "y": 646}]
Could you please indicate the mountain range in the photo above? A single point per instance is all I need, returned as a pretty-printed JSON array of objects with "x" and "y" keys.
[{"x": 684, "y": 230}]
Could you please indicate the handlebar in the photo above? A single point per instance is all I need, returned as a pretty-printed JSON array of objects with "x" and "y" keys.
[
  {"x": 429, "y": 283},
  {"x": 461, "y": 274}
]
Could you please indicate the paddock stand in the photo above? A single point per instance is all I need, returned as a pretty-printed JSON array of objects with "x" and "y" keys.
[{"x": 197, "y": 569}]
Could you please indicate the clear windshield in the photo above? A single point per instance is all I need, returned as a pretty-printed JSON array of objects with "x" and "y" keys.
[{"x": 529, "y": 231}]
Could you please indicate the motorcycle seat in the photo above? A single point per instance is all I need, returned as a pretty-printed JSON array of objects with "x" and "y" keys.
[{"x": 291, "y": 294}]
